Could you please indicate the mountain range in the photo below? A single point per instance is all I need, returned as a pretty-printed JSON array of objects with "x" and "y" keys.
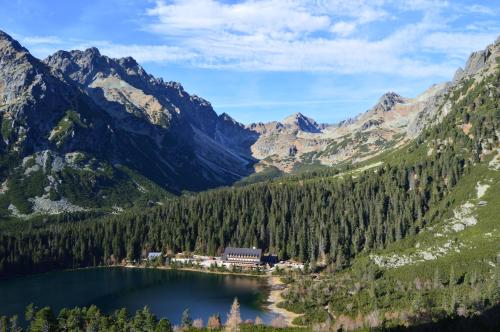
[{"x": 82, "y": 131}]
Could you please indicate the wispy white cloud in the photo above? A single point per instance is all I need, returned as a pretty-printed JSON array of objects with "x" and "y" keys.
[
  {"x": 312, "y": 35},
  {"x": 343, "y": 28},
  {"x": 274, "y": 17},
  {"x": 304, "y": 35},
  {"x": 41, "y": 40},
  {"x": 480, "y": 9}
]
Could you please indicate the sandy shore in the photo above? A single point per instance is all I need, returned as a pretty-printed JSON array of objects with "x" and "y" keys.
[{"x": 277, "y": 288}]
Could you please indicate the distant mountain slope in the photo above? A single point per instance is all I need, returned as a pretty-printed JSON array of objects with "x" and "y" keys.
[
  {"x": 83, "y": 131},
  {"x": 391, "y": 122}
]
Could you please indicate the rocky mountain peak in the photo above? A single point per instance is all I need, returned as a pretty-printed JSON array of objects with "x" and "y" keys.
[
  {"x": 9, "y": 44},
  {"x": 92, "y": 51},
  {"x": 294, "y": 117},
  {"x": 478, "y": 60},
  {"x": 90, "y": 57},
  {"x": 387, "y": 101},
  {"x": 12, "y": 53},
  {"x": 21, "y": 72},
  {"x": 227, "y": 118},
  {"x": 302, "y": 122},
  {"x": 80, "y": 66},
  {"x": 129, "y": 63}
]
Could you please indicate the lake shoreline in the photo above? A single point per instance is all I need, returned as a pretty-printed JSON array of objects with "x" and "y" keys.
[
  {"x": 167, "y": 292},
  {"x": 274, "y": 290},
  {"x": 274, "y": 297},
  {"x": 192, "y": 269}
]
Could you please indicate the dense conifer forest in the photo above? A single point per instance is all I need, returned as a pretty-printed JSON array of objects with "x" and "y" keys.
[{"x": 331, "y": 219}]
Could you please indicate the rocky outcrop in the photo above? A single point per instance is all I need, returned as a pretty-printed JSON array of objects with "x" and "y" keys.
[
  {"x": 371, "y": 123},
  {"x": 300, "y": 122},
  {"x": 477, "y": 61},
  {"x": 387, "y": 102}
]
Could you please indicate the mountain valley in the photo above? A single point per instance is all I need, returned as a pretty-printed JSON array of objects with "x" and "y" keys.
[{"x": 85, "y": 132}]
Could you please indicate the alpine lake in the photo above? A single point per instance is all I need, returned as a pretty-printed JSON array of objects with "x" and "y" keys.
[{"x": 167, "y": 293}]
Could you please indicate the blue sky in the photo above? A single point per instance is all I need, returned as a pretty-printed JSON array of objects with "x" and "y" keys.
[{"x": 261, "y": 60}]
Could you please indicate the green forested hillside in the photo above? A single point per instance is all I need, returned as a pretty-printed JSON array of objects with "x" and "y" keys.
[
  {"x": 329, "y": 219},
  {"x": 447, "y": 273}
]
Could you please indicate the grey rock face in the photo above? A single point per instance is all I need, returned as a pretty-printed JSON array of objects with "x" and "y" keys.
[
  {"x": 35, "y": 99},
  {"x": 436, "y": 106},
  {"x": 301, "y": 122},
  {"x": 235, "y": 136},
  {"x": 477, "y": 61},
  {"x": 428, "y": 110},
  {"x": 458, "y": 75},
  {"x": 387, "y": 102},
  {"x": 371, "y": 123}
]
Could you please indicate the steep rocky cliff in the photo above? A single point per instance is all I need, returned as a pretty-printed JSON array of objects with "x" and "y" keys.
[
  {"x": 81, "y": 130},
  {"x": 143, "y": 104}
]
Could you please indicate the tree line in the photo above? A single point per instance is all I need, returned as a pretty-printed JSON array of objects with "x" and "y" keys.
[{"x": 92, "y": 319}]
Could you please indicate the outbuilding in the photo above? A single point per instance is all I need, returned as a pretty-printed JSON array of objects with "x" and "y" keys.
[
  {"x": 243, "y": 256},
  {"x": 153, "y": 255}
]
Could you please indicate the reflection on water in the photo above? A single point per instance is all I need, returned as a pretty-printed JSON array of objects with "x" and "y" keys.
[{"x": 166, "y": 293}]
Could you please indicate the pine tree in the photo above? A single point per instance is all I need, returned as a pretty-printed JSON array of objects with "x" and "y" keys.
[
  {"x": 452, "y": 281},
  {"x": 163, "y": 326},
  {"x": 234, "y": 317},
  {"x": 214, "y": 322},
  {"x": 437, "y": 279},
  {"x": 186, "y": 321},
  {"x": 44, "y": 321}
]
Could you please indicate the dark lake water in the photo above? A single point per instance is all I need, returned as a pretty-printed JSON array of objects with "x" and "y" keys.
[{"x": 167, "y": 293}]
